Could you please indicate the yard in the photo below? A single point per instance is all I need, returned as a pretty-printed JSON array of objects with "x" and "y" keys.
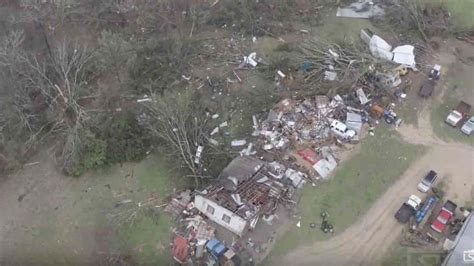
[
  {"x": 352, "y": 190},
  {"x": 461, "y": 12},
  {"x": 458, "y": 87},
  {"x": 74, "y": 228},
  {"x": 400, "y": 256}
]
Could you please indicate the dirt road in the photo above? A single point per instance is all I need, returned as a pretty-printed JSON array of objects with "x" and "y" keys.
[{"x": 368, "y": 240}]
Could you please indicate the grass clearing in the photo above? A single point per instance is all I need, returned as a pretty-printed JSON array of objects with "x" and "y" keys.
[
  {"x": 458, "y": 87},
  {"x": 80, "y": 226},
  {"x": 380, "y": 161},
  {"x": 338, "y": 28},
  {"x": 401, "y": 256},
  {"x": 443, "y": 130},
  {"x": 461, "y": 12},
  {"x": 148, "y": 240}
]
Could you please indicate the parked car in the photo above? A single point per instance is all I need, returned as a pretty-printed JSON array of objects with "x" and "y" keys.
[
  {"x": 408, "y": 209},
  {"x": 428, "y": 85},
  {"x": 435, "y": 73},
  {"x": 341, "y": 130},
  {"x": 215, "y": 248},
  {"x": 426, "y": 88},
  {"x": 458, "y": 113},
  {"x": 468, "y": 127},
  {"x": 446, "y": 213},
  {"x": 427, "y": 182}
]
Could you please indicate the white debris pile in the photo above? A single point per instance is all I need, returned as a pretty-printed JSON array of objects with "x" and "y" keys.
[
  {"x": 249, "y": 62},
  {"x": 292, "y": 121},
  {"x": 404, "y": 54}
]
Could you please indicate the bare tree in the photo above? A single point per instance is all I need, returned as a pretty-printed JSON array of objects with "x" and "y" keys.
[
  {"x": 114, "y": 53},
  {"x": 179, "y": 120},
  {"x": 426, "y": 17},
  {"x": 47, "y": 91}
]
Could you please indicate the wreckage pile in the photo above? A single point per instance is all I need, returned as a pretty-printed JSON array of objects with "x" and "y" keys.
[
  {"x": 293, "y": 143},
  {"x": 247, "y": 189},
  {"x": 301, "y": 135},
  {"x": 295, "y": 122}
]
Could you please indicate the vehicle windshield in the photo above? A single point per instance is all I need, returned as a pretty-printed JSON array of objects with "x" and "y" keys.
[
  {"x": 428, "y": 180},
  {"x": 456, "y": 115},
  {"x": 442, "y": 219}
]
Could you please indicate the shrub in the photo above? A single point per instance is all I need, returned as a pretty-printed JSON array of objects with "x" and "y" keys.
[
  {"x": 82, "y": 151},
  {"x": 125, "y": 139}
]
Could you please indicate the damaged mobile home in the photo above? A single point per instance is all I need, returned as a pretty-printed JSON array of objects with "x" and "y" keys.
[{"x": 246, "y": 189}]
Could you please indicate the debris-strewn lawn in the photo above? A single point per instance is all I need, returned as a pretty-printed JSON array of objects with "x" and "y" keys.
[
  {"x": 147, "y": 240},
  {"x": 79, "y": 232},
  {"x": 356, "y": 185}
]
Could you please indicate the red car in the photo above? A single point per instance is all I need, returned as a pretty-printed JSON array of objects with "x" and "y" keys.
[{"x": 444, "y": 215}]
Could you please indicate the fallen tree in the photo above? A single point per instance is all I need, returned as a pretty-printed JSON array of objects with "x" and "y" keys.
[{"x": 349, "y": 59}]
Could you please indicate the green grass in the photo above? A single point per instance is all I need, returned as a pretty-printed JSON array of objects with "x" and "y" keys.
[
  {"x": 355, "y": 186},
  {"x": 397, "y": 256},
  {"x": 443, "y": 130},
  {"x": 401, "y": 256},
  {"x": 81, "y": 216},
  {"x": 154, "y": 175},
  {"x": 337, "y": 28},
  {"x": 461, "y": 12},
  {"x": 459, "y": 87},
  {"x": 148, "y": 240}
]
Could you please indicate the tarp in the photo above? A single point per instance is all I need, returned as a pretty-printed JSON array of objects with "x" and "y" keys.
[
  {"x": 180, "y": 249},
  {"x": 404, "y": 55},
  {"x": 380, "y": 48},
  {"x": 309, "y": 155}
]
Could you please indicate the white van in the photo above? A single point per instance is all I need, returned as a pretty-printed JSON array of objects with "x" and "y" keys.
[{"x": 341, "y": 130}]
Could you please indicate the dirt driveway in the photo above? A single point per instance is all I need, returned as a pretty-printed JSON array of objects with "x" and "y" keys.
[{"x": 366, "y": 242}]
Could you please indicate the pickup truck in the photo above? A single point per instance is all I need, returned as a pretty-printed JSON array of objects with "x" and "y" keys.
[
  {"x": 446, "y": 213},
  {"x": 458, "y": 113},
  {"x": 408, "y": 209},
  {"x": 426, "y": 88}
]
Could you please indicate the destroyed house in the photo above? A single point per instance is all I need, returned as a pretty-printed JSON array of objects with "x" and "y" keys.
[{"x": 246, "y": 189}]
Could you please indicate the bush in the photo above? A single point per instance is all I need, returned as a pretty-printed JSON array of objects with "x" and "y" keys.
[
  {"x": 126, "y": 139},
  {"x": 82, "y": 151},
  {"x": 94, "y": 153},
  {"x": 107, "y": 140}
]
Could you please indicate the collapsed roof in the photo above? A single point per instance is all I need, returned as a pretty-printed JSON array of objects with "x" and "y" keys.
[{"x": 248, "y": 186}]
